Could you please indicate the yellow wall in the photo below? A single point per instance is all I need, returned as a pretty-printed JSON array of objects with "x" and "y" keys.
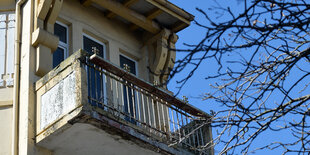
[
  {"x": 80, "y": 20},
  {"x": 6, "y": 100},
  {"x": 115, "y": 34},
  {"x": 6, "y": 5},
  {"x": 5, "y": 130}
]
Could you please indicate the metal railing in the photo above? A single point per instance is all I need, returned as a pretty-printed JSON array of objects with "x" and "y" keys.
[{"x": 123, "y": 95}]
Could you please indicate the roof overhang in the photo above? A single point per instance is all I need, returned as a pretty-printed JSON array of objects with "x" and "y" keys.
[{"x": 149, "y": 15}]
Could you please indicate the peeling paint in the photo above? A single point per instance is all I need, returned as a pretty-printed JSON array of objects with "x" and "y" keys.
[{"x": 52, "y": 102}]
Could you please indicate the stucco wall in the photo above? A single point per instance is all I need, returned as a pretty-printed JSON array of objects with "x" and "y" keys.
[
  {"x": 6, "y": 99},
  {"x": 6, "y": 5},
  {"x": 5, "y": 130},
  {"x": 115, "y": 34},
  {"x": 58, "y": 101}
]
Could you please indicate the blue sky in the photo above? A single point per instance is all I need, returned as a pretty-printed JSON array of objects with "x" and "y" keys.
[{"x": 197, "y": 85}]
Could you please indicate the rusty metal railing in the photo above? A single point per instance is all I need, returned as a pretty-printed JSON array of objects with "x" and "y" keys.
[{"x": 144, "y": 105}]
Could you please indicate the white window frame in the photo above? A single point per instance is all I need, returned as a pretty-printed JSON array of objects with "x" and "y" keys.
[
  {"x": 62, "y": 45},
  {"x": 97, "y": 41}
]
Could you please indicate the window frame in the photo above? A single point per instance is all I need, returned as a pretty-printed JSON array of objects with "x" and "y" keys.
[
  {"x": 131, "y": 59},
  {"x": 7, "y": 51},
  {"x": 97, "y": 41},
  {"x": 62, "y": 45}
]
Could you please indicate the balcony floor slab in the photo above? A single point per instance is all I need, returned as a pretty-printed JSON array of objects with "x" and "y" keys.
[{"x": 82, "y": 138}]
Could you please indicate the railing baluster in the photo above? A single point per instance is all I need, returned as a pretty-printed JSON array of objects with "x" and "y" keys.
[
  {"x": 198, "y": 140},
  {"x": 153, "y": 111},
  {"x": 121, "y": 86},
  {"x": 96, "y": 92},
  {"x": 140, "y": 106},
  {"x": 149, "y": 111},
  {"x": 183, "y": 126},
  {"x": 178, "y": 126},
  {"x": 127, "y": 99},
  {"x": 194, "y": 140},
  {"x": 101, "y": 89},
  {"x": 188, "y": 130},
  {"x": 173, "y": 123},
  {"x": 143, "y": 108},
  {"x": 158, "y": 113},
  {"x": 133, "y": 102},
  {"x": 201, "y": 137},
  {"x": 116, "y": 97},
  {"x": 163, "y": 116}
]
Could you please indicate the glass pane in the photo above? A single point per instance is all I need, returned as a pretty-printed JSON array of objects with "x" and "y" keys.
[
  {"x": 89, "y": 44},
  {"x": 58, "y": 56},
  {"x": 132, "y": 65},
  {"x": 2, "y": 43},
  {"x": 10, "y": 44},
  {"x": 61, "y": 32}
]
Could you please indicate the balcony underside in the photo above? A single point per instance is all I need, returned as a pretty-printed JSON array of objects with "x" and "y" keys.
[{"x": 79, "y": 133}]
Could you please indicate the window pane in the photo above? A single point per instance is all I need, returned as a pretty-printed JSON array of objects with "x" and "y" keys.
[
  {"x": 61, "y": 32},
  {"x": 58, "y": 56},
  {"x": 10, "y": 44},
  {"x": 89, "y": 44},
  {"x": 2, "y": 43},
  {"x": 123, "y": 60}
]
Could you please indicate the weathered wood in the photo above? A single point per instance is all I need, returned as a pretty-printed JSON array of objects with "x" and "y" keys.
[
  {"x": 151, "y": 15},
  {"x": 130, "y": 15},
  {"x": 178, "y": 26},
  {"x": 86, "y": 3},
  {"x": 165, "y": 9},
  {"x": 126, "y": 4}
]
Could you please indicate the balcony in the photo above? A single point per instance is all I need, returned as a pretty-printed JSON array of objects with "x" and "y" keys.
[{"x": 87, "y": 105}]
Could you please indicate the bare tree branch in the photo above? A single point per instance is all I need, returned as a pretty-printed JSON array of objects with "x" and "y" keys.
[{"x": 263, "y": 74}]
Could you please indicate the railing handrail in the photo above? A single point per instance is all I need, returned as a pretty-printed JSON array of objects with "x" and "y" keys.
[{"x": 99, "y": 61}]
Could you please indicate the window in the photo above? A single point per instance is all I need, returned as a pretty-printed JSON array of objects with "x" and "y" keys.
[
  {"x": 89, "y": 43},
  {"x": 129, "y": 94},
  {"x": 61, "y": 53},
  {"x": 7, "y": 39},
  {"x": 129, "y": 62},
  {"x": 95, "y": 78}
]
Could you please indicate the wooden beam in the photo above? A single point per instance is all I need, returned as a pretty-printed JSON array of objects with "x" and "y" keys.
[
  {"x": 133, "y": 27},
  {"x": 153, "y": 2},
  {"x": 86, "y": 3},
  {"x": 154, "y": 13},
  {"x": 129, "y": 15},
  {"x": 127, "y": 4},
  {"x": 151, "y": 15},
  {"x": 178, "y": 26}
]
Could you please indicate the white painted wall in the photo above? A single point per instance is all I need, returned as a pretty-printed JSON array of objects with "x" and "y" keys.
[
  {"x": 5, "y": 130},
  {"x": 85, "y": 139}
]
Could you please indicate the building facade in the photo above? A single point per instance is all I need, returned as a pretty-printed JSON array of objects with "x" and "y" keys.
[{"x": 88, "y": 77}]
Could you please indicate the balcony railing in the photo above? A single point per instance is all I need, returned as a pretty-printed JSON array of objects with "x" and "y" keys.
[
  {"x": 144, "y": 105},
  {"x": 89, "y": 84}
]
